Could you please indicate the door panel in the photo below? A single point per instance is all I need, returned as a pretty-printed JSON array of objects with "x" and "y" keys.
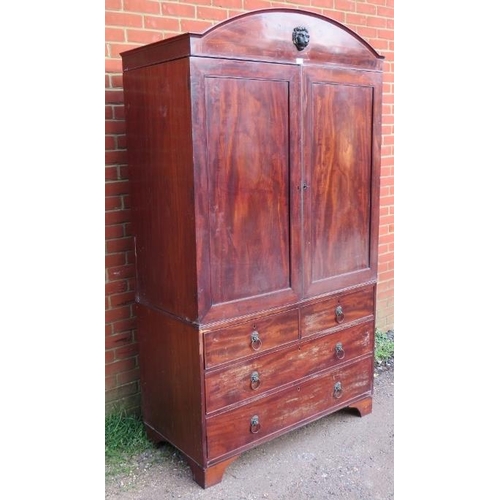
[
  {"x": 249, "y": 164},
  {"x": 249, "y": 187},
  {"x": 340, "y": 168},
  {"x": 341, "y": 172}
]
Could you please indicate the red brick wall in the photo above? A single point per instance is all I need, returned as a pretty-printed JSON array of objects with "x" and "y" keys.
[{"x": 131, "y": 23}]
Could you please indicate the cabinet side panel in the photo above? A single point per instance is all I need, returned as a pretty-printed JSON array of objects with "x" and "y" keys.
[
  {"x": 171, "y": 387},
  {"x": 159, "y": 144}
]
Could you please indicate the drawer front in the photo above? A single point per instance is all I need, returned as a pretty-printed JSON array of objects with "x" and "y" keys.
[
  {"x": 253, "y": 377},
  {"x": 252, "y": 337},
  {"x": 252, "y": 422},
  {"x": 335, "y": 311}
]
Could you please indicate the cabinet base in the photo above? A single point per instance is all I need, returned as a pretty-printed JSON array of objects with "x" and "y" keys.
[
  {"x": 211, "y": 475},
  {"x": 153, "y": 436},
  {"x": 363, "y": 406},
  {"x": 204, "y": 477}
]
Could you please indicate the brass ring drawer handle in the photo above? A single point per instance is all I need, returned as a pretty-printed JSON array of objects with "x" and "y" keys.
[
  {"x": 254, "y": 381},
  {"x": 339, "y": 351},
  {"x": 255, "y": 341},
  {"x": 339, "y": 314},
  {"x": 337, "y": 390},
  {"x": 254, "y": 424}
]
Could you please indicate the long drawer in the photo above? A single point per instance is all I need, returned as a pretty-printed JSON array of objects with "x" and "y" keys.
[
  {"x": 250, "y": 337},
  {"x": 253, "y": 377},
  {"x": 245, "y": 425},
  {"x": 337, "y": 310}
]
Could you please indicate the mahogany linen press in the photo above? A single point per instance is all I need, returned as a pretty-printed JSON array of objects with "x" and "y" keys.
[{"x": 254, "y": 159}]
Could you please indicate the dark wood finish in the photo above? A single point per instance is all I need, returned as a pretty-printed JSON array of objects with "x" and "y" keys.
[
  {"x": 264, "y": 36},
  {"x": 209, "y": 476},
  {"x": 267, "y": 36},
  {"x": 321, "y": 316},
  {"x": 171, "y": 380},
  {"x": 234, "y": 385},
  {"x": 342, "y": 168},
  {"x": 248, "y": 257},
  {"x": 363, "y": 406},
  {"x": 248, "y": 160},
  {"x": 254, "y": 165},
  {"x": 287, "y": 409},
  {"x": 162, "y": 183},
  {"x": 231, "y": 343}
]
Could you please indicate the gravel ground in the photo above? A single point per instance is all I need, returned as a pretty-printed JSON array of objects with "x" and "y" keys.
[{"x": 339, "y": 456}]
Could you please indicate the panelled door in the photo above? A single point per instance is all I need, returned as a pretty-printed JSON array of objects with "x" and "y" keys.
[
  {"x": 246, "y": 123},
  {"x": 341, "y": 176}
]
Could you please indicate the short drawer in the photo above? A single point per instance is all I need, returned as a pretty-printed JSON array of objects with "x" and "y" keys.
[
  {"x": 245, "y": 425},
  {"x": 251, "y": 337},
  {"x": 251, "y": 378},
  {"x": 335, "y": 311}
]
